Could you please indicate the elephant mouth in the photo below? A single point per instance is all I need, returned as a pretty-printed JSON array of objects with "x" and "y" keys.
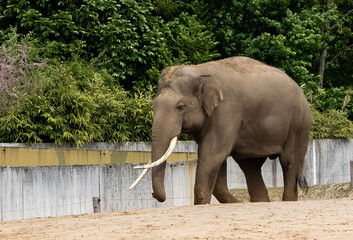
[{"x": 151, "y": 164}]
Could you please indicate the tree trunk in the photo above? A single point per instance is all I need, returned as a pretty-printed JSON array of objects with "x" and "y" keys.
[
  {"x": 322, "y": 67},
  {"x": 324, "y": 51}
]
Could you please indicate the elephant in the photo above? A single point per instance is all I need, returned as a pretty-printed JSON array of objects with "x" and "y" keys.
[{"x": 237, "y": 107}]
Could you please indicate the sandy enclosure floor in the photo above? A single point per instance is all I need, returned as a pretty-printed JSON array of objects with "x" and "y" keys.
[{"x": 324, "y": 219}]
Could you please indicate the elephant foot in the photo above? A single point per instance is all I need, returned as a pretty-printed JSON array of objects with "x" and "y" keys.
[
  {"x": 290, "y": 197},
  {"x": 225, "y": 197},
  {"x": 259, "y": 195},
  {"x": 260, "y": 199},
  {"x": 229, "y": 200}
]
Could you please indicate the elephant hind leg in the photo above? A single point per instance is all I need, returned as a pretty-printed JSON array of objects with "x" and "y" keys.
[
  {"x": 220, "y": 190},
  {"x": 290, "y": 173},
  {"x": 256, "y": 185},
  {"x": 292, "y": 160}
]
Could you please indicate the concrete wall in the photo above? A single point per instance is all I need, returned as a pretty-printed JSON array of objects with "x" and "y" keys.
[
  {"x": 99, "y": 153},
  {"x": 27, "y": 192},
  {"x": 39, "y": 191},
  {"x": 328, "y": 161}
]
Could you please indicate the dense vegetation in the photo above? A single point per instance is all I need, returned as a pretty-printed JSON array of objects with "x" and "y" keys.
[{"x": 83, "y": 71}]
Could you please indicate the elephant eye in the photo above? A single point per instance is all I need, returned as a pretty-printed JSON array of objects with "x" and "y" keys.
[{"x": 181, "y": 106}]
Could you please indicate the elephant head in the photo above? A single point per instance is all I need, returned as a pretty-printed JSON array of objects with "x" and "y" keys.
[{"x": 184, "y": 101}]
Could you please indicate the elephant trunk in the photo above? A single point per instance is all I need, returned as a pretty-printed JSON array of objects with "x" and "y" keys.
[
  {"x": 158, "y": 172},
  {"x": 161, "y": 141}
]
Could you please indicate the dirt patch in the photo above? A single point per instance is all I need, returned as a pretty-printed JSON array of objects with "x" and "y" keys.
[
  {"x": 305, "y": 219},
  {"x": 317, "y": 192}
]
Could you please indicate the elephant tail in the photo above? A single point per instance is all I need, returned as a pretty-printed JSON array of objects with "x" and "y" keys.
[{"x": 302, "y": 181}]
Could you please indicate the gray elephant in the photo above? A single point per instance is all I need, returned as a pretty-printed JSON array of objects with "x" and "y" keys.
[{"x": 235, "y": 107}]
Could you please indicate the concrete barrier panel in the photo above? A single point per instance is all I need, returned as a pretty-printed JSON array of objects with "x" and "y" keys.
[
  {"x": 47, "y": 191},
  {"x": 327, "y": 161}
]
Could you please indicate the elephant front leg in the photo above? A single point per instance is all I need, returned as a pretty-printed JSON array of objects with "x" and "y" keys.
[
  {"x": 214, "y": 147},
  {"x": 204, "y": 183},
  {"x": 221, "y": 191},
  {"x": 206, "y": 175}
]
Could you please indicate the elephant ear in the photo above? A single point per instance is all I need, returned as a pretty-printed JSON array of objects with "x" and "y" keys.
[{"x": 209, "y": 93}]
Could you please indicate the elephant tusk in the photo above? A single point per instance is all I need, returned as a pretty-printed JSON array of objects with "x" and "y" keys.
[
  {"x": 163, "y": 158},
  {"x": 143, "y": 174},
  {"x": 156, "y": 163}
]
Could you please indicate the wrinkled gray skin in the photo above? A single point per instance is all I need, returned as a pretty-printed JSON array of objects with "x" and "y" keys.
[{"x": 235, "y": 107}]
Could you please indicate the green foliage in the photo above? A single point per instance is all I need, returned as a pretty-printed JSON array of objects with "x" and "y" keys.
[
  {"x": 329, "y": 112},
  {"x": 336, "y": 98},
  {"x": 167, "y": 9},
  {"x": 129, "y": 42},
  {"x": 125, "y": 37},
  {"x": 339, "y": 71},
  {"x": 331, "y": 123},
  {"x": 189, "y": 41},
  {"x": 76, "y": 103},
  {"x": 331, "y": 98},
  {"x": 140, "y": 115},
  {"x": 275, "y": 32},
  {"x": 287, "y": 34}
]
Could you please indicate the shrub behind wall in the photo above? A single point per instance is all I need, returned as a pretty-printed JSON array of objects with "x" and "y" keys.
[{"x": 74, "y": 102}]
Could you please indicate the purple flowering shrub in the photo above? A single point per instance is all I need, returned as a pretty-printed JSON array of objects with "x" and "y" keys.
[{"x": 15, "y": 67}]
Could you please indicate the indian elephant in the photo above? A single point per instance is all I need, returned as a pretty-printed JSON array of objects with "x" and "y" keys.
[{"x": 235, "y": 107}]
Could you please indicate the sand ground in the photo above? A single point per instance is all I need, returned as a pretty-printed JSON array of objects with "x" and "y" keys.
[{"x": 308, "y": 219}]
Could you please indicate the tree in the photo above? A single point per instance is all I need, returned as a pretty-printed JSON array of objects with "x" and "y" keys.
[
  {"x": 125, "y": 37},
  {"x": 338, "y": 71}
]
